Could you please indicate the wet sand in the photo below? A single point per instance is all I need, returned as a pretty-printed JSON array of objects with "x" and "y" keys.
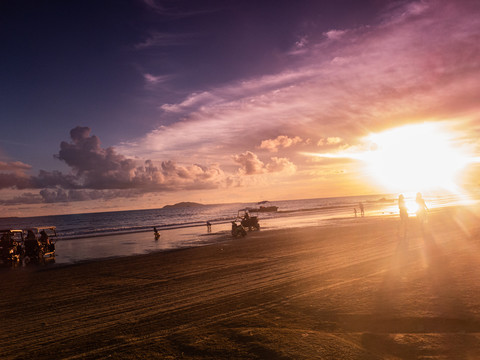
[{"x": 351, "y": 290}]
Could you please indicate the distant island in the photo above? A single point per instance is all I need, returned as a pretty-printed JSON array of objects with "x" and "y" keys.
[{"x": 182, "y": 205}]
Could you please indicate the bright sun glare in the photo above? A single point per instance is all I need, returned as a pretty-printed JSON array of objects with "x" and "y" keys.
[
  {"x": 415, "y": 158},
  {"x": 411, "y": 158}
]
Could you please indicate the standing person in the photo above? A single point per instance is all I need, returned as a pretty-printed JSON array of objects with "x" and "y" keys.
[
  {"x": 403, "y": 215},
  {"x": 422, "y": 210},
  {"x": 209, "y": 226},
  {"x": 362, "y": 210},
  {"x": 355, "y": 211}
]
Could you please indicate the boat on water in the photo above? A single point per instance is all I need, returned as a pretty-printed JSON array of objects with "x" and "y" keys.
[{"x": 264, "y": 209}]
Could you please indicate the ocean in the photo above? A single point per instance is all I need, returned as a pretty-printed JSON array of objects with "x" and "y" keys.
[{"x": 83, "y": 237}]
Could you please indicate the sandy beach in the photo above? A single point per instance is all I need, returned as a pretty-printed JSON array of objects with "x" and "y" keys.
[{"x": 351, "y": 290}]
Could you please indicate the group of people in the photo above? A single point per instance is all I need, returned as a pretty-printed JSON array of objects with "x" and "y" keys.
[
  {"x": 362, "y": 210},
  {"x": 421, "y": 212},
  {"x": 43, "y": 240}
]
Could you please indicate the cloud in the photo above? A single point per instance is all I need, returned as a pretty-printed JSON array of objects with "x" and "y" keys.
[
  {"x": 334, "y": 140},
  {"x": 154, "y": 5},
  {"x": 335, "y": 34},
  {"x": 104, "y": 168},
  {"x": 103, "y": 173},
  {"x": 171, "y": 12},
  {"x": 158, "y": 40},
  {"x": 417, "y": 62},
  {"x": 26, "y": 198},
  {"x": 152, "y": 80},
  {"x": 99, "y": 168},
  {"x": 282, "y": 165},
  {"x": 15, "y": 166},
  {"x": 250, "y": 164},
  {"x": 15, "y": 180},
  {"x": 191, "y": 102},
  {"x": 280, "y": 141},
  {"x": 412, "y": 65},
  {"x": 51, "y": 179}
]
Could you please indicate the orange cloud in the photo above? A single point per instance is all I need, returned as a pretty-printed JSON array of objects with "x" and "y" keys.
[
  {"x": 281, "y": 141},
  {"x": 250, "y": 164}
]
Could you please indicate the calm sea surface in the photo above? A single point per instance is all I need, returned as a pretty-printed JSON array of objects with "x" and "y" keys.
[{"x": 91, "y": 236}]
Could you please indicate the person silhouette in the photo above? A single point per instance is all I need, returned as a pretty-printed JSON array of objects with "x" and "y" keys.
[
  {"x": 402, "y": 208},
  {"x": 156, "y": 233},
  {"x": 421, "y": 210},
  {"x": 362, "y": 210},
  {"x": 209, "y": 226}
]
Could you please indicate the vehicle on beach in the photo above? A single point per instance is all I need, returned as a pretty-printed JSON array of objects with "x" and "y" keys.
[
  {"x": 11, "y": 244},
  {"x": 238, "y": 230},
  {"x": 40, "y": 243},
  {"x": 247, "y": 221}
]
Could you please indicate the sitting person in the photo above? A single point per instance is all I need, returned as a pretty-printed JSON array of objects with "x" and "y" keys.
[
  {"x": 31, "y": 243},
  {"x": 45, "y": 241},
  {"x": 31, "y": 235}
]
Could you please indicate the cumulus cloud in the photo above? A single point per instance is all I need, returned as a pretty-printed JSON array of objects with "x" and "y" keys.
[
  {"x": 104, "y": 168},
  {"x": 281, "y": 141},
  {"x": 103, "y": 173},
  {"x": 334, "y": 140},
  {"x": 250, "y": 164},
  {"x": 99, "y": 168},
  {"x": 282, "y": 165}
]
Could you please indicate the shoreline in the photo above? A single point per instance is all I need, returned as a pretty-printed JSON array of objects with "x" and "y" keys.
[
  {"x": 349, "y": 292},
  {"x": 121, "y": 245}
]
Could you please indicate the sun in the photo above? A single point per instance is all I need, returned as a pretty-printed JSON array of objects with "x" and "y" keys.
[
  {"x": 419, "y": 157},
  {"x": 413, "y": 158}
]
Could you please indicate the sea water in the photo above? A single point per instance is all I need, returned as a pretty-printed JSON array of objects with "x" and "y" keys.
[{"x": 121, "y": 233}]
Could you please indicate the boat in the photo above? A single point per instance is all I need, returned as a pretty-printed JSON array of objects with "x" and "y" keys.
[{"x": 264, "y": 209}]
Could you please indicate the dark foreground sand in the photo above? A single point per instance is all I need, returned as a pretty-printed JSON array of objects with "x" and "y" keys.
[{"x": 338, "y": 292}]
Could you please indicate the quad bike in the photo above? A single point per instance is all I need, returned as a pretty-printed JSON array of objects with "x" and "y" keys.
[
  {"x": 11, "y": 243},
  {"x": 238, "y": 230},
  {"x": 247, "y": 221}
]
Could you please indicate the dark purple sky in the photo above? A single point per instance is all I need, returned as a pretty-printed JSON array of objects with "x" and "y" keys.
[{"x": 69, "y": 63}]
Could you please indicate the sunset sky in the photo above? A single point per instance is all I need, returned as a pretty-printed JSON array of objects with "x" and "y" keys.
[{"x": 133, "y": 104}]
